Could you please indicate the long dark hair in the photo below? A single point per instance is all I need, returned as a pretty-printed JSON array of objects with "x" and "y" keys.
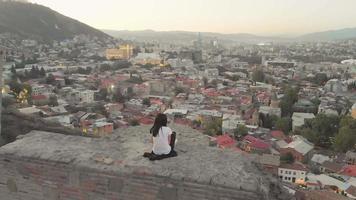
[{"x": 161, "y": 120}]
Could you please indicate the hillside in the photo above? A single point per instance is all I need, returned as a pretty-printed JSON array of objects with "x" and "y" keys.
[
  {"x": 186, "y": 36},
  {"x": 38, "y": 22},
  {"x": 340, "y": 34}
]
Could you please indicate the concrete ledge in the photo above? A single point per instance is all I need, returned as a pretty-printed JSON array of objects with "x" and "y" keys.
[{"x": 44, "y": 165}]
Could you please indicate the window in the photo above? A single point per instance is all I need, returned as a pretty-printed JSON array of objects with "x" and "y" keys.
[
  {"x": 281, "y": 172},
  {"x": 294, "y": 173}
]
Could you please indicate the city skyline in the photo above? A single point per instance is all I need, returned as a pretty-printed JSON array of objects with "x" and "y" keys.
[{"x": 272, "y": 17}]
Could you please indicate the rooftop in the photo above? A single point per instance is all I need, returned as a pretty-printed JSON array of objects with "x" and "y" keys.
[{"x": 122, "y": 153}]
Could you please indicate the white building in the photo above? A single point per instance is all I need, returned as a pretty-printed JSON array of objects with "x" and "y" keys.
[
  {"x": 298, "y": 119},
  {"x": 177, "y": 62},
  {"x": 211, "y": 73},
  {"x": 78, "y": 95},
  {"x": 41, "y": 89},
  {"x": 292, "y": 173},
  {"x": 230, "y": 122}
]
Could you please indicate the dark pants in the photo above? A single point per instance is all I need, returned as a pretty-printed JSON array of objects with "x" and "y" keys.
[{"x": 172, "y": 153}]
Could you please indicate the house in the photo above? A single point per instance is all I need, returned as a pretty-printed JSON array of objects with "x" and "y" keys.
[
  {"x": 328, "y": 182},
  {"x": 351, "y": 192},
  {"x": 225, "y": 141},
  {"x": 331, "y": 167},
  {"x": 292, "y": 173},
  {"x": 298, "y": 119},
  {"x": 267, "y": 110},
  {"x": 319, "y": 159},
  {"x": 102, "y": 128},
  {"x": 304, "y": 106},
  {"x": 30, "y": 110},
  {"x": 40, "y": 100},
  {"x": 319, "y": 194},
  {"x": 351, "y": 157},
  {"x": 348, "y": 170},
  {"x": 255, "y": 145},
  {"x": 353, "y": 111},
  {"x": 269, "y": 162},
  {"x": 300, "y": 148},
  {"x": 180, "y": 113},
  {"x": 230, "y": 122},
  {"x": 38, "y": 89}
]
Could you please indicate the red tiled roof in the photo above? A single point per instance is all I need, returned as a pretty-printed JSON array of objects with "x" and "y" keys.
[
  {"x": 278, "y": 134},
  {"x": 146, "y": 121},
  {"x": 294, "y": 166},
  {"x": 39, "y": 97},
  {"x": 349, "y": 170},
  {"x": 225, "y": 141},
  {"x": 256, "y": 143}
]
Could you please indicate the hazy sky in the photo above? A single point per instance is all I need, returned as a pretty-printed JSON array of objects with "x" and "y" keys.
[{"x": 266, "y": 17}]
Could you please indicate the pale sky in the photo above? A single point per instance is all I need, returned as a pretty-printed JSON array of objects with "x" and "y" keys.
[{"x": 264, "y": 17}]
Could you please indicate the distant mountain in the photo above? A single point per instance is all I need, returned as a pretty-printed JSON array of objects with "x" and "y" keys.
[
  {"x": 39, "y": 22},
  {"x": 186, "y": 36},
  {"x": 341, "y": 34}
]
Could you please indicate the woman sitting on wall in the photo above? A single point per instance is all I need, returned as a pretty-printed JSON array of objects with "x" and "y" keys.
[{"x": 163, "y": 139}]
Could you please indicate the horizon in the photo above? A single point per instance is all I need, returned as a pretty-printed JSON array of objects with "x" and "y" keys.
[{"x": 227, "y": 17}]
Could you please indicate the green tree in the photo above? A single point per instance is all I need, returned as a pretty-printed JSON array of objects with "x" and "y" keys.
[
  {"x": 258, "y": 75},
  {"x": 134, "y": 122},
  {"x": 178, "y": 90},
  {"x": 284, "y": 124},
  {"x": 322, "y": 129},
  {"x": 288, "y": 100},
  {"x": 205, "y": 81},
  {"x": 213, "y": 127},
  {"x": 287, "y": 158},
  {"x": 118, "y": 97},
  {"x": 53, "y": 100},
  {"x": 146, "y": 101},
  {"x": 345, "y": 139},
  {"x": 240, "y": 131},
  {"x": 42, "y": 72},
  {"x": 50, "y": 79}
]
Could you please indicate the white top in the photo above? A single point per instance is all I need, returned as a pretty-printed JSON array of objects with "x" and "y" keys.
[{"x": 160, "y": 142}]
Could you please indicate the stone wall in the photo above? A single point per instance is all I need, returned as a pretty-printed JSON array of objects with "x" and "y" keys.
[
  {"x": 30, "y": 179},
  {"x": 49, "y": 166}
]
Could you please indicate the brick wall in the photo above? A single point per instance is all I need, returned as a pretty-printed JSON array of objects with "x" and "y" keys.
[{"x": 30, "y": 179}]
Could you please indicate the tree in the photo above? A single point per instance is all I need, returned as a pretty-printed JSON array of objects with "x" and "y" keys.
[
  {"x": 258, "y": 75},
  {"x": 287, "y": 158},
  {"x": 13, "y": 70},
  {"x": 130, "y": 93},
  {"x": 146, "y": 101},
  {"x": 346, "y": 137},
  {"x": 42, "y": 72},
  {"x": 50, "y": 79},
  {"x": 288, "y": 100},
  {"x": 213, "y": 127},
  {"x": 321, "y": 129},
  {"x": 178, "y": 90},
  {"x": 284, "y": 124},
  {"x": 268, "y": 121},
  {"x": 118, "y": 97},
  {"x": 53, "y": 100},
  {"x": 205, "y": 81},
  {"x": 134, "y": 122},
  {"x": 240, "y": 131}
]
